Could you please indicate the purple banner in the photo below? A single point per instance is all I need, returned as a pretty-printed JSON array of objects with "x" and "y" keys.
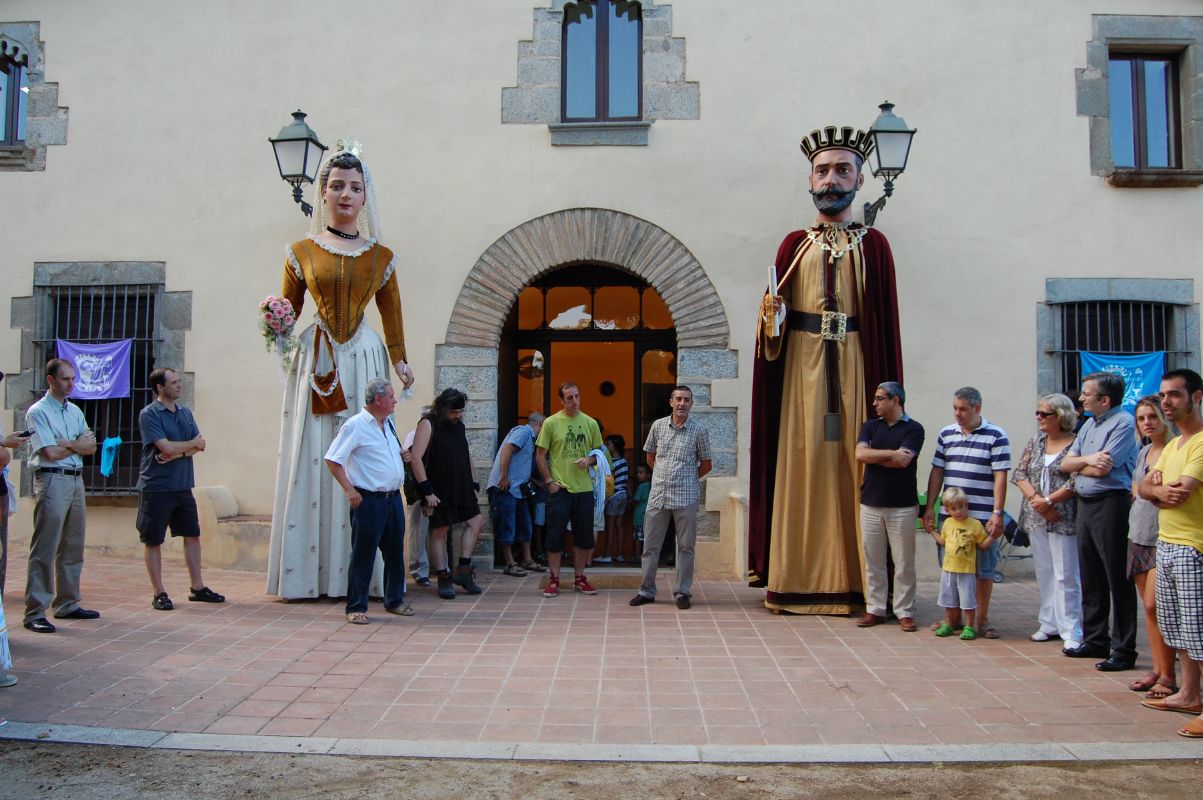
[{"x": 101, "y": 370}]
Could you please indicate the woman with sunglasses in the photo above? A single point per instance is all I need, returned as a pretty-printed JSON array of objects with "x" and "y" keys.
[{"x": 1047, "y": 514}]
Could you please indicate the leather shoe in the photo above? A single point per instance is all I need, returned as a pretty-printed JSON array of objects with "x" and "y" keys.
[
  {"x": 1083, "y": 651},
  {"x": 907, "y": 624},
  {"x": 869, "y": 620},
  {"x": 79, "y": 613},
  {"x": 1113, "y": 664},
  {"x": 641, "y": 599},
  {"x": 683, "y": 601},
  {"x": 40, "y": 625}
]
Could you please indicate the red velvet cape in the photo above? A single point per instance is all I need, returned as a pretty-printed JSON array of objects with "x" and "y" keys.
[{"x": 881, "y": 346}]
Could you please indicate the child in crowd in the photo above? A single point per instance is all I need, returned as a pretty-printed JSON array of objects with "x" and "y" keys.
[
  {"x": 643, "y": 475},
  {"x": 616, "y": 503},
  {"x": 961, "y": 536}
]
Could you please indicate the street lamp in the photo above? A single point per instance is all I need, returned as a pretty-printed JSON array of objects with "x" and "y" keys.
[
  {"x": 298, "y": 155},
  {"x": 892, "y": 144}
]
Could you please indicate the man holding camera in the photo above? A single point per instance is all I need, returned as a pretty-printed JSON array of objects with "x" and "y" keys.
[{"x": 509, "y": 488}]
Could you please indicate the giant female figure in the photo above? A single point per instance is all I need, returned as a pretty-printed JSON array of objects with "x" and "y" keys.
[{"x": 342, "y": 266}]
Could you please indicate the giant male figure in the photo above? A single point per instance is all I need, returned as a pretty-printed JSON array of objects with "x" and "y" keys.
[{"x": 811, "y": 389}]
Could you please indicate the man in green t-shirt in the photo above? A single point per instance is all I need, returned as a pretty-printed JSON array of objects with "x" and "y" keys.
[{"x": 562, "y": 456}]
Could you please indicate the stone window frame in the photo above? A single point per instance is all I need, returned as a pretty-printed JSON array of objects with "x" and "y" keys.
[
  {"x": 173, "y": 310},
  {"x": 536, "y": 99},
  {"x": 469, "y": 356},
  {"x": 45, "y": 119},
  {"x": 1177, "y": 292},
  {"x": 1182, "y": 35}
]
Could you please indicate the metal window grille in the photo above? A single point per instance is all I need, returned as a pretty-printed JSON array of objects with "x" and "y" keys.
[
  {"x": 96, "y": 314},
  {"x": 1114, "y": 327}
]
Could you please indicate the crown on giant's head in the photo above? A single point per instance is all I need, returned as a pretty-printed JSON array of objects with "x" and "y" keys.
[{"x": 833, "y": 138}]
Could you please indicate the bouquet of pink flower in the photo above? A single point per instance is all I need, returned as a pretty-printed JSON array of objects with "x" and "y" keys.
[{"x": 276, "y": 322}]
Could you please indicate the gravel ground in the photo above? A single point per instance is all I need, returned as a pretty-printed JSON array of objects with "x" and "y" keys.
[{"x": 34, "y": 770}]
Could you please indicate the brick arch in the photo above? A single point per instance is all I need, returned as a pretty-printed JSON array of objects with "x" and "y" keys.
[{"x": 594, "y": 235}]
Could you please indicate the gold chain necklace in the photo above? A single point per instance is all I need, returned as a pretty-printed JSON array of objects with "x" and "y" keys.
[{"x": 825, "y": 237}]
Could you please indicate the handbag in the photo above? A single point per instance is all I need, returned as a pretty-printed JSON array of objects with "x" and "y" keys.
[{"x": 326, "y": 395}]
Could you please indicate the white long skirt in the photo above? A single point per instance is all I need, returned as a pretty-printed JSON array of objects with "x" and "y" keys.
[{"x": 311, "y": 526}]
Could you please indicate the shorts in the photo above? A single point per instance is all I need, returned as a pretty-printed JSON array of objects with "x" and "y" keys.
[
  {"x": 565, "y": 507},
  {"x": 158, "y": 511},
  {"x": 1141, "y": 558},
  {"x": 539, "y": 512},
  {"x": 616, "y": 506},
  {"x": 958, "y": 590},
  {"x": 511, "y": 518},
  {"x": 1179, "y": 597}
]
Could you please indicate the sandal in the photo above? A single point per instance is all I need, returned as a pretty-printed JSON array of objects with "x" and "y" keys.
[
  {"x": 1160, "y": 691},
  {"x": 1146, "y": 683},
  {"x": 990, "y": 633},
  {"x": 514, "y": 570},
  {"x": 534, "y": 566},
  {"x": 357, "y": 618}
]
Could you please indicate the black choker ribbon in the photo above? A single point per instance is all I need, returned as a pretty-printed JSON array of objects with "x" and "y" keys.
[{"x": 339, "y": 233}]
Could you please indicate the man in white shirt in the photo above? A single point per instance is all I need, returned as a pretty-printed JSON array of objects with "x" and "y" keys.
[{"x": 365, "y": 459}]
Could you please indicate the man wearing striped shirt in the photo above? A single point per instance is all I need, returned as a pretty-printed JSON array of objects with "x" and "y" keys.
[{"x": 976, "y": 456}]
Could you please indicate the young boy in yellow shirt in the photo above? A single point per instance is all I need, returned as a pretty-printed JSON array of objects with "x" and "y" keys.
[{"x": 961, "y": 536}]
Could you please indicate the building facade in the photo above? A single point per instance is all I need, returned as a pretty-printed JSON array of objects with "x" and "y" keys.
[{"x": 591, "y": 191}]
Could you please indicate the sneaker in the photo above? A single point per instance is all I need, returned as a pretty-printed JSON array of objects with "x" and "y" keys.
[
  {"x": 7, "y": 680},
  {"x": 619, "y": 560},
  {"x": 603, "y": 560},
  {"x": 968, "y": 634},
  {"x": 581, "y": 584},
  {"x": 205, "y": 595},
  {"x": 422, "y": 581},
  {"x": 162, "y": 602},
  {"x": 552, "y": 589}
]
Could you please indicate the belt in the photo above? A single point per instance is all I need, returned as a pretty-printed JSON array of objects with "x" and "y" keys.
[
  {"x": 831, "y": 325},
  {"x": 367, "y": 493},
  {"x": 1095, "y": 498},
  {"x": 71, "y": 473}
]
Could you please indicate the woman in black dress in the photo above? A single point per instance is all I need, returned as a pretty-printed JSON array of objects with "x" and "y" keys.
[{"x": 442, "y": 467}]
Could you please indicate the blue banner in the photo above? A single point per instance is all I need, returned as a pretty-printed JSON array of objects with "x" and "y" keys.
[
  {"x": 101, "y": 370},
  {"x": 1141, "y": 373}
]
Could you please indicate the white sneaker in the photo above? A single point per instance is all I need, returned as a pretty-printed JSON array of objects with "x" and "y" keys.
[
  {"x": 1070, "y": 644},
  {"x": 7, "y": 680},
  {"x": 1041, "y": 636},
  {"x": 602, "y": 560}
]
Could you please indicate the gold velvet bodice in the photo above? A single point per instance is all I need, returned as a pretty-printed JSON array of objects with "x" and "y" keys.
[{"x": 341, "y": 285}]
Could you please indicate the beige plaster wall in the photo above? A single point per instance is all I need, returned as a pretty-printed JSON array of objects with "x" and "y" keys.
[{"x": 167, "y": 159}]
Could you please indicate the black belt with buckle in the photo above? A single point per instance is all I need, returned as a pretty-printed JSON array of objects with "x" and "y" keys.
[
  {"x": 1097, "y": 498},
  {"x": 813, "y": 323},
  {"x": 70, "y": 473},
  {"x": 368, "y": 493}
]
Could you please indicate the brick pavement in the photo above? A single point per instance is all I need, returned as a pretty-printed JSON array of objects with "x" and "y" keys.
[{"x": 510, "y": 666}]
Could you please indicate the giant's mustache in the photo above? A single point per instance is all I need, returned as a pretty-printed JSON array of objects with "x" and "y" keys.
[{"x": 832, "y": 192}]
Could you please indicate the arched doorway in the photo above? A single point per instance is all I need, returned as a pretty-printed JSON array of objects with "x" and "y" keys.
[
  {"x": 601, "y": 327},
  {"x": 471, "y": 356}
]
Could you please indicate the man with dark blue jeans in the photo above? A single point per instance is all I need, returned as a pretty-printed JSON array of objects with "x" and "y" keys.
[
  {"x": 507, "y": 500},
  {"x": 365, "y": 459}
]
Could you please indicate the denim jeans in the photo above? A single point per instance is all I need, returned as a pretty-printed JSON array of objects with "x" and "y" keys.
[{"x": 378, "y": 524}]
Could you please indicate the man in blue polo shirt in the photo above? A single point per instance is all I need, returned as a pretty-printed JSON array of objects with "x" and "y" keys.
[
  {"x": 888, "y": 446},
  {"x": 170, "y": 438},
  {"x": 512, "y": 469},
  {"x": 1104, "y": 456},
  {"x": 974, "y": 455}
]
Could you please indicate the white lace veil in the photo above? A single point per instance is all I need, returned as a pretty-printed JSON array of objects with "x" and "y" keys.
[{"x": 369, "y": 215}]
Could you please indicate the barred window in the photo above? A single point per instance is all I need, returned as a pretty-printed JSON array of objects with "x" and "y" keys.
[
  {"x": 1113, "y": 327},
  {"x": 91, "y": 315}
]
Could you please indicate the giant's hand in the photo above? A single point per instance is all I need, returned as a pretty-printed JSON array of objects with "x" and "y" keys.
[{"x": 405, "y": 374}]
